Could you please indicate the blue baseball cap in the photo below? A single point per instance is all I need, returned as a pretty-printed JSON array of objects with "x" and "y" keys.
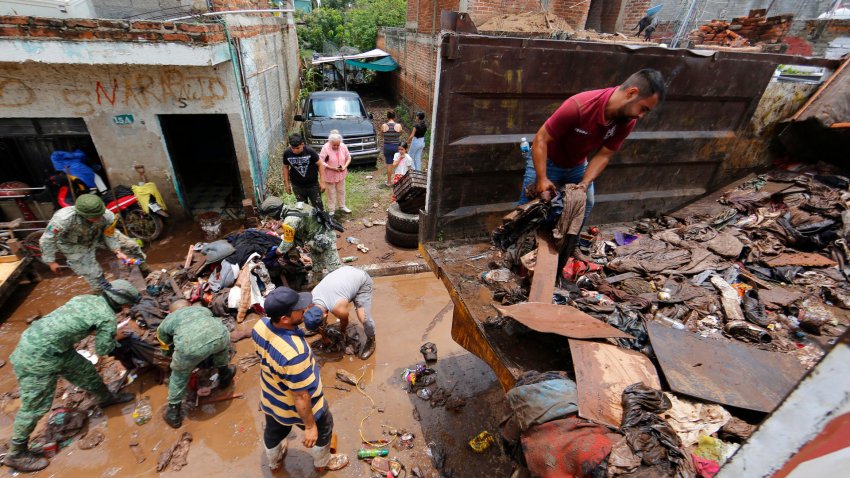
[
  {"x": 313, "y": 318},
  {"x": 283, "y": 300}
]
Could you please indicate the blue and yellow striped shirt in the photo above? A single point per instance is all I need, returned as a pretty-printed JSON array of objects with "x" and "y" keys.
[{"x": 286, "y": 364}]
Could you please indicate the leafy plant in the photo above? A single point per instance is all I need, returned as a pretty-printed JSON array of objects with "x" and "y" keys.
[{"x": 349, "y": 23}]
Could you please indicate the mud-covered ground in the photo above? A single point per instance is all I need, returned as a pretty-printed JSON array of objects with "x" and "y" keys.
[{"x": 409, "y": 311}]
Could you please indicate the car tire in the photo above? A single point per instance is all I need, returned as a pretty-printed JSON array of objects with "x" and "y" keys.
[
  {"x": 407, "y": 240},
  {"x": 402, "y": 221}
]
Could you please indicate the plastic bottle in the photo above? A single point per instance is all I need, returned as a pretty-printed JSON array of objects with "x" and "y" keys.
[
  {"x": 672, "y": 323},
  {"x": 349, "y": 259},
  {"x": 525, "y": 148},
  {"x": 366, "y": 453},
  {"x": 142, "y": 413}
]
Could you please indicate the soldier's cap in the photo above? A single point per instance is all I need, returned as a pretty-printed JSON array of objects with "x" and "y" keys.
[
  {"x": 122, "y": 292},
  {"x": 283, "y": 300},
  {"x": 89, "y": 205}
]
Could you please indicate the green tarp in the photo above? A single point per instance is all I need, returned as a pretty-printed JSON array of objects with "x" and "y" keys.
[{"x": 381, "y": 64}]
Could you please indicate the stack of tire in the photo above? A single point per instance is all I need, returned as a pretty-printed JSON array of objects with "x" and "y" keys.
[
  {"x": 402, "y": 228},
  {"x": 403, "y": 214}
]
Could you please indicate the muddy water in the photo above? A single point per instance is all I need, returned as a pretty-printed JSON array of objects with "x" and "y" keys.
[{"x": 227, "y": 435}]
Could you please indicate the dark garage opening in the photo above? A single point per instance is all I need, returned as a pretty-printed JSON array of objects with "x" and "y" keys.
[{"x": 204, "y": 160}]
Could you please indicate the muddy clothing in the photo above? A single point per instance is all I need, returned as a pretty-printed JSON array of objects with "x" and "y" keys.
[
  {"x": 78, "y": 239},
  {"x": 309, "y": 232},
  {"x": 352, "y": 285},
  {"x": 46, "y": 352},
  {"x": 192, "y": 334}
]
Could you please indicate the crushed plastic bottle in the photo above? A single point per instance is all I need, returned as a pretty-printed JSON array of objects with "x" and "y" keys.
[
  {"x": 142, "y": 413},
  {"x": 496, "y": 275}
]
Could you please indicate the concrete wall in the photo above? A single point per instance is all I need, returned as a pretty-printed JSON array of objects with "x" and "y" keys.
[
  {"x": 707, "y": 10},
  {"x": 145, "y": 8},
  {"x": 98, "y": 93}
]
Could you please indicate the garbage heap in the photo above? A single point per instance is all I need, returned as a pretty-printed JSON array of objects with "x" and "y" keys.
[{"x": 730, "y": 301}]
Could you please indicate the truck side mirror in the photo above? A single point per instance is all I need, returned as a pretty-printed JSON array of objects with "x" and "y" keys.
[
  {"x": 299, "y": 118},
  {"x": 371, "y": 116}
]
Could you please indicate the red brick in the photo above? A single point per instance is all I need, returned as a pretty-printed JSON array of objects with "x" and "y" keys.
[
  {"x": 45, "y": 32},
  {"x": 48, "y": 22},
  {"x": 80, "y": 35},
  {"x": 81, "y": 23},
  {"x": 181, "y": 37},
  {"x": 168, "y": 25},
  {"x": 14, "y": 20},
  {"x": 192, "y": 27},
  {"x": 114, "y": 35},
  {"x": 149, "y": 36},
  {"x": 142, "y": 25},
  {"x": 113, "y": 24},
  {"x": 17, "y": 31}
]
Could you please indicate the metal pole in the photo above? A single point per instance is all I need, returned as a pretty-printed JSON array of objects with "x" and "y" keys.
[{"x": 684, "y": 25}]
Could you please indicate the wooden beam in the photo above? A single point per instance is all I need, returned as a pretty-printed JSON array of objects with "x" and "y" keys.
[{"x": 545, "y": 271}]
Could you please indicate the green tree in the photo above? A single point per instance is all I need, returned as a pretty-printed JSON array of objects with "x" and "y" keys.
[
  {"x": 322, "y": 24},
  {"x": 367, "y": 15}
]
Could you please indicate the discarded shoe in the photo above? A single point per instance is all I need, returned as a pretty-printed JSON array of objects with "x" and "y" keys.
[
  {"x": 225, "y": 376},
  {"x": 173, "y": 415},
  {"x": 116, "y": 398},
  {"x": 429, "y": 352},
  {"x": 754, "y": 309},
  {"x": 338, "y": 461},
  {"x": 368, "y": 348}
]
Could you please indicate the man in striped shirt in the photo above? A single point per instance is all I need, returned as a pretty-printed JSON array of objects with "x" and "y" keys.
[{"x": 291, "y": 384}]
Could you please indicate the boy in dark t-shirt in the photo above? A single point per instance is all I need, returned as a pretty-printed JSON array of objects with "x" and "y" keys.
[{"x": 303, "y": 172}]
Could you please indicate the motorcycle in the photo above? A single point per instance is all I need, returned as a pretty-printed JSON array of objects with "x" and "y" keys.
[{"x": 121, "y": 200}]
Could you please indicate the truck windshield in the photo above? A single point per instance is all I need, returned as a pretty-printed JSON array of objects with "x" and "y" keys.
[{"x": 335, "y": 108}]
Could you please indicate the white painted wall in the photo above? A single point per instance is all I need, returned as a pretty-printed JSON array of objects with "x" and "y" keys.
[
  {"x": 48, "y": 8},
  {"x": 98, "y": 93}
]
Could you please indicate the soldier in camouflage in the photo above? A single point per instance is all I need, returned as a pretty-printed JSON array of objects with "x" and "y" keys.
[
  {"x": 77, "y": 231},
  {"x": 46, "y": 352},
  {"x": 191, "y": 335},
  {"x": 302, "y": 228}
]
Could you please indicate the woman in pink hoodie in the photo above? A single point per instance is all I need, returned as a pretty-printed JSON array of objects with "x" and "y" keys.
[{"x": 335, "y": 158}]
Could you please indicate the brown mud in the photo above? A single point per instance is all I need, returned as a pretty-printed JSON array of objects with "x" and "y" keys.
[{"x": 409, "y": 310}]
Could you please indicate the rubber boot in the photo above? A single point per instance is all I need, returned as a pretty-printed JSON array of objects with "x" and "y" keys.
[
  {"x": 324, "y": 460},
  {"x": 225, "y": 376},
  {"x": 114, "y": 398},
  {"x": 173, "y": 416},
  {"x": 275, "y": 455},
  {"x": 368, "y": 348},
  {"x": 22, "y": 459}
]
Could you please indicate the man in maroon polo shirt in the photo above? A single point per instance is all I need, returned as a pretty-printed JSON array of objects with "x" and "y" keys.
[{"x": 593, "y": 119}]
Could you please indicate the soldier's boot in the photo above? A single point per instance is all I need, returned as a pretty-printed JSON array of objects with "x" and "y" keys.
[
  {"x": 225, "y": 376},
  {"x": 173, "y": 415},
  {"x": 368, "y": 347},
  {"x": 275, "y": 455},
  {"x": 115, "y": 398},
  {"x": 22, "y": 459}
]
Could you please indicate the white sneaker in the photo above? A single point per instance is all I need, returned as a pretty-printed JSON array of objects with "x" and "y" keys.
[
  {"x": 331, "y": 213},
  {"x": 346, "y": 210}
]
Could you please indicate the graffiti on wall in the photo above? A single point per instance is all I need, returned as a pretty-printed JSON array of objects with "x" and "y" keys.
[{"x": 136, "y": 90}]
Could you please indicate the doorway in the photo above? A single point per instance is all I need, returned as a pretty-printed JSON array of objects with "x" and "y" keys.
[{"x": 204, "y": 161}]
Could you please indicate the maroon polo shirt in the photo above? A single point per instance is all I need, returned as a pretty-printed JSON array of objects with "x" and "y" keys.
[{"x": 578, "y": 127}]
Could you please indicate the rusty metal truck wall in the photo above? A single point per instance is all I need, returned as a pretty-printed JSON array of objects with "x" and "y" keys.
[{"x": 492, "y": 91}]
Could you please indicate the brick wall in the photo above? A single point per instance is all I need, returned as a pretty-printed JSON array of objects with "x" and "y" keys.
[
  {"x": 222, "y": 5},
  {"x": 573, "y": 11},
  {"x": 413, "y": 82},
  {"x": 631, "y": 13},
  {"x": 123, "y": 30},
  {"x": 428, "y": 19},
  {"x": 481, "y": 10}
]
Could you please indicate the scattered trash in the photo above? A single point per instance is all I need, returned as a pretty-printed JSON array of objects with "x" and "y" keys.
[
  {"x": 379, "y": 222},
  {"x": 175, "y": 455},
  {"x": 136, "y": 448},
  {"x": 362, "y": 248},
  {"x": 424, "y": 393},
  {"x": 344, "y": 389},
  {"x": 352, "y": 240},
  {"x": 496, "y": 275},
  {"x": 367, "y": 453},
  {"x": 346, "y": 377},
  {"x": 429, "y": 352},
  {"x": 90, "y": 440},
  {"x": 348, "y": 259},
  {"x": 481, "y": 442},
  {"x": 367, "y": 222},
  {"x": 370, "y": 177},
  {"x": 142, "y": 413}
]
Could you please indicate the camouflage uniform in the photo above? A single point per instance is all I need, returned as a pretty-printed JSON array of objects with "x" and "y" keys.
[
  {"x": 46, "y": 352},
  {"x": 322, "y": 241},
  {"x": 78, "y": 239},
  {"x": 192, "y": 334}
]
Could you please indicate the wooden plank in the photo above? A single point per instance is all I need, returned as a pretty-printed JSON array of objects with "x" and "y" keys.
[
  {"x": 545, "y": 271},
  {"x": 720, "y": 371},
  {"x": 10, "y": 273},
  {"x": 602, "y": 372},
  {"x": 562, "y": 320}
]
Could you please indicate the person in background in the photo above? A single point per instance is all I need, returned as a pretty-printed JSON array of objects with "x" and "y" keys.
[
  {"x": 392, "y": 137},
  {"x": 291, "y": 383},
  {"x": 402, "y": 162},
  {"x": 336, "y": 158},
  {"x": 303, "y": 172},
  {"x": 47, "y": 351},
  {"x": 596, "y": 120},
  {"x": 417, "y": 140}
]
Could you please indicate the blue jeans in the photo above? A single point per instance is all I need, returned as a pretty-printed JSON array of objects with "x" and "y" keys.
[
  {"x": 559, "y": 176},
  {"x": 416, "y": 148}
]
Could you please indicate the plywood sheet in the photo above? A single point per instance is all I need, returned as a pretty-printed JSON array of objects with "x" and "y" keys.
[
  {"x": 562, "y": 320},
  {"x": 602, "y": 372},
  {"x": 809, "y": 259},
  {"x": 729, "y": 373},
  {"x": 545, "y": 271}
]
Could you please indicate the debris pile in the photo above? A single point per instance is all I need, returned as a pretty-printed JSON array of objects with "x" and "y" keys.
[
  {"x": 743, "y": 31},
  {"x": 751, "y": 289}
]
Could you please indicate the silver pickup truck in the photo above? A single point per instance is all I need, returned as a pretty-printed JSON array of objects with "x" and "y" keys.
[{"x": 324, "y": 111}]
